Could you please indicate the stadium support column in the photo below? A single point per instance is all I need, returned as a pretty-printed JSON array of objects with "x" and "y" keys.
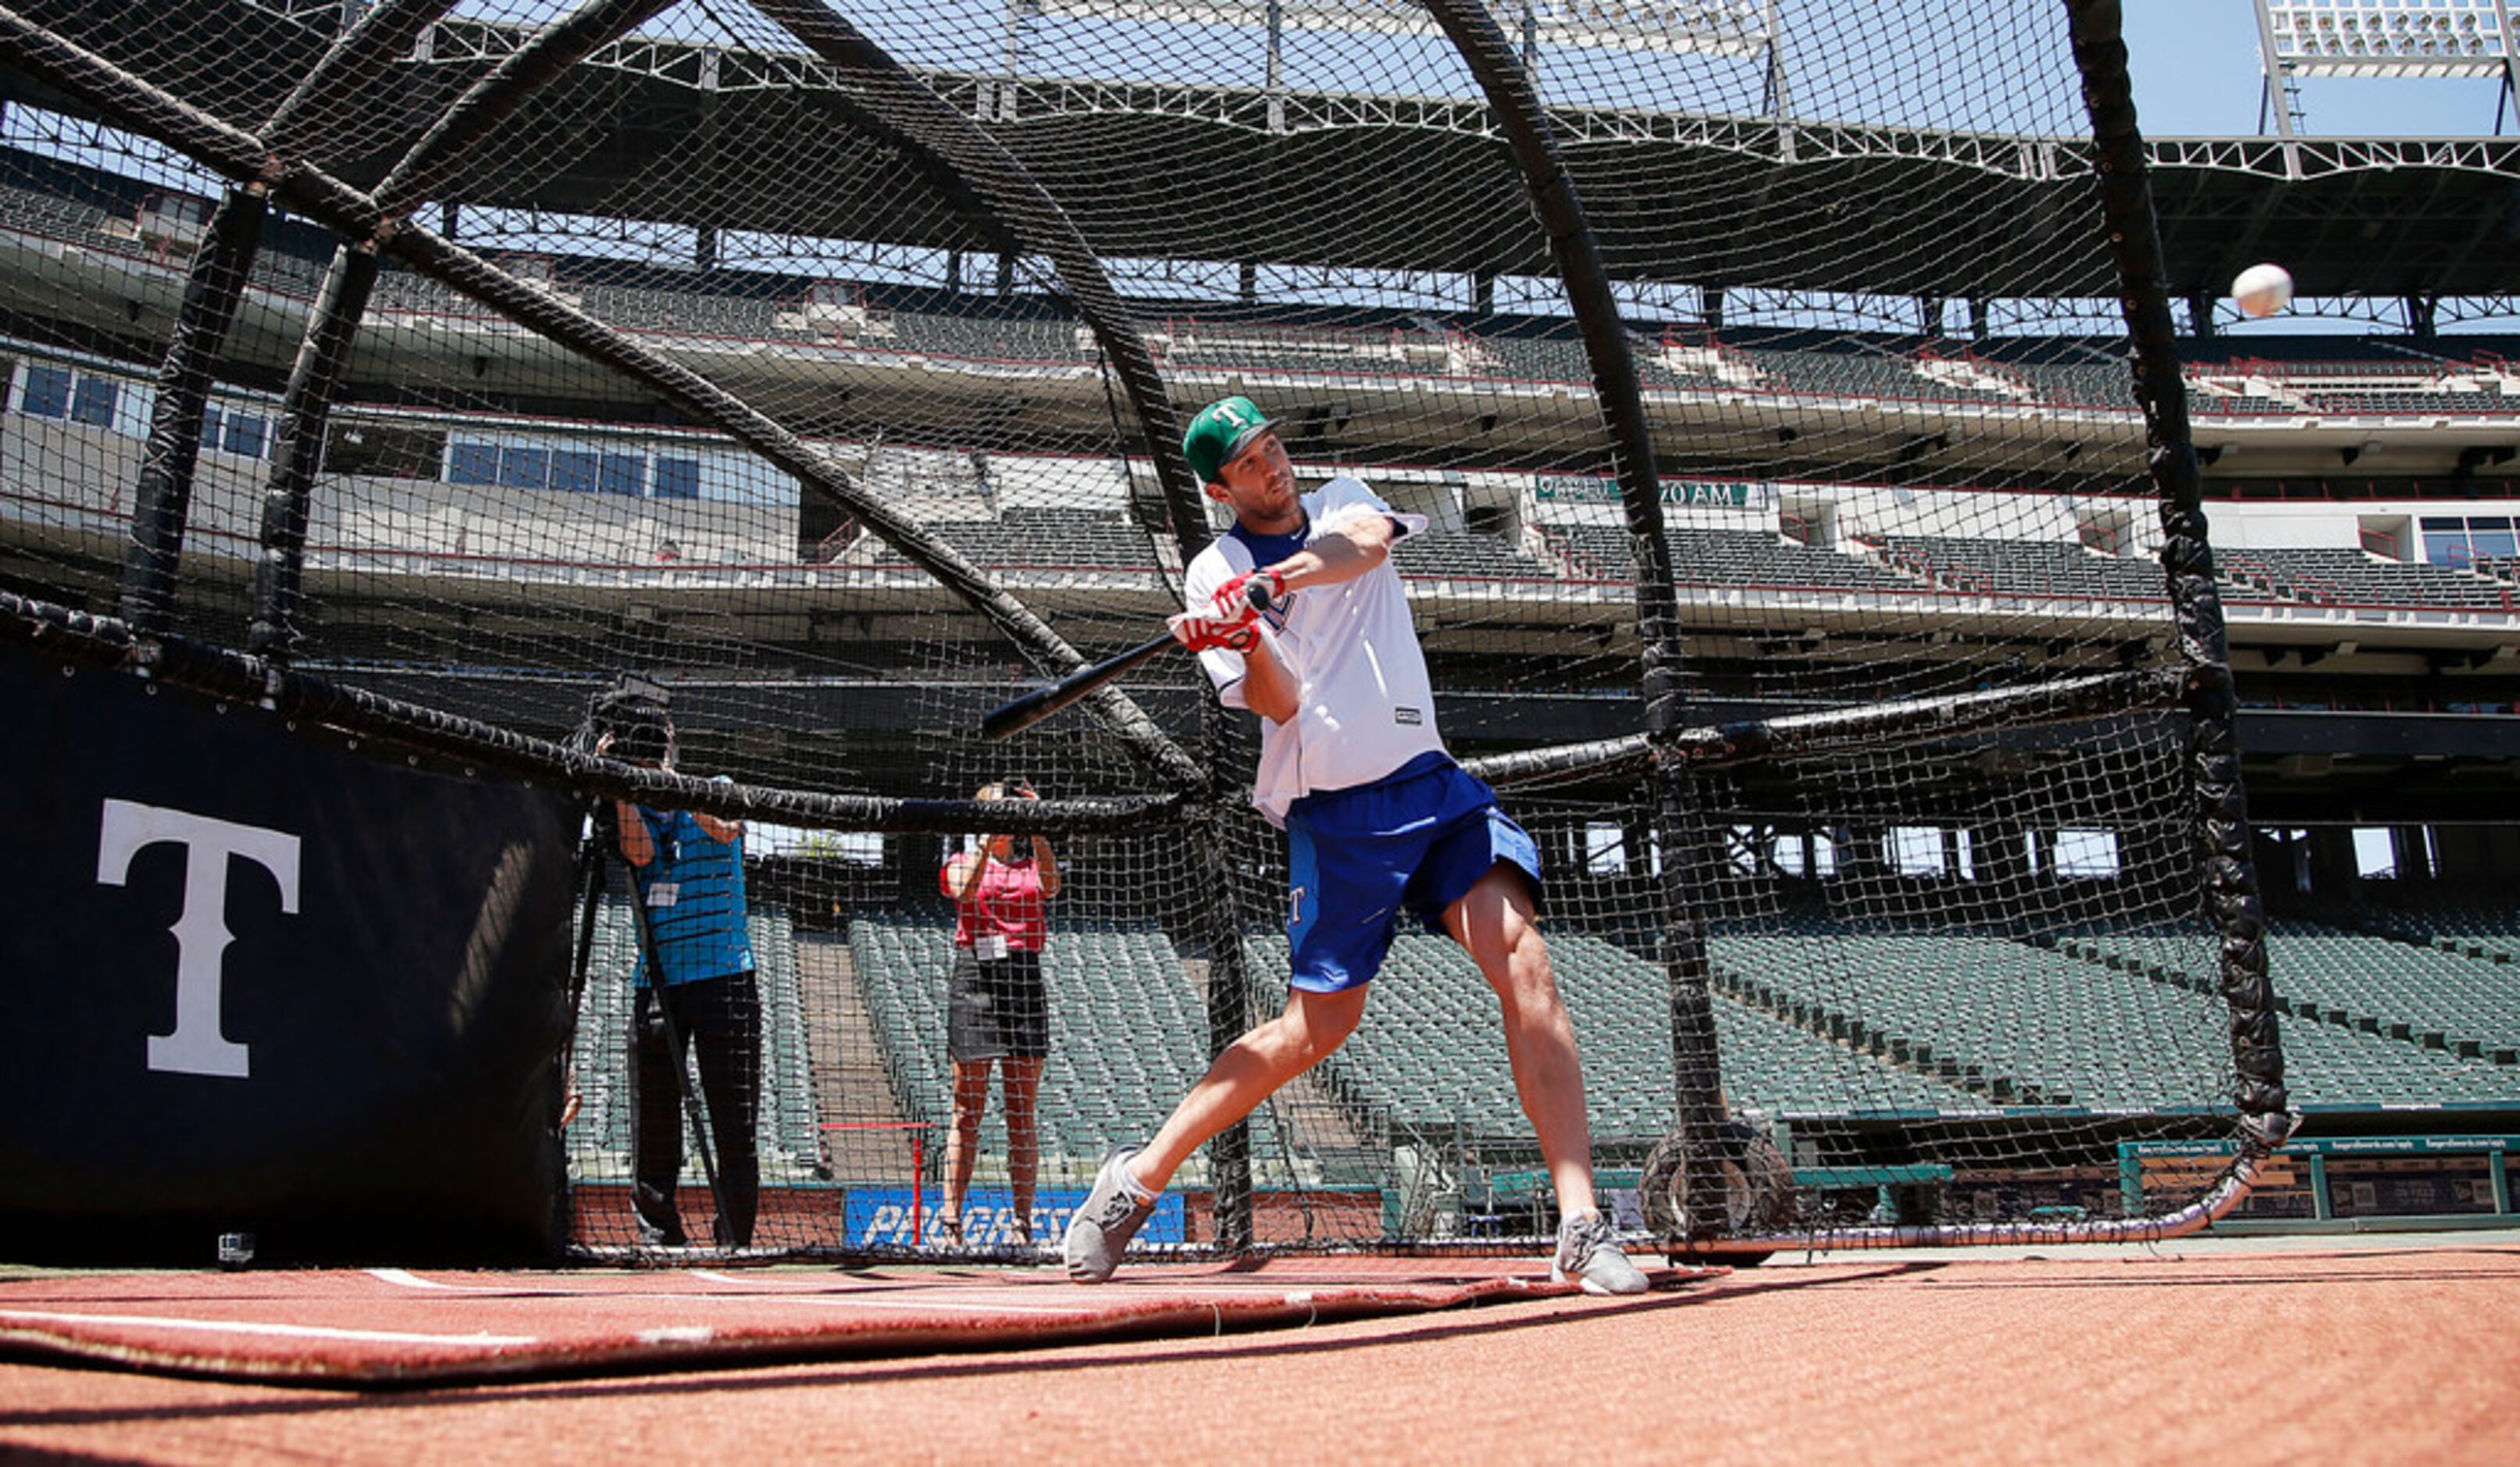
[
  {"x": 2421, "y": 313},
  {"x": 1999, "y": 851},
  {"x": 2414, "y": 858},
  {"x": 1575, "y": 249},
  {"x": 2228, "y": 865},
  {"x": 2334, "y": 867},
  {"x": 2200, "y": 315}
]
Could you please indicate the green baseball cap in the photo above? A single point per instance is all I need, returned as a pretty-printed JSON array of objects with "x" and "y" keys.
[{"x": 1220, "y": 433}]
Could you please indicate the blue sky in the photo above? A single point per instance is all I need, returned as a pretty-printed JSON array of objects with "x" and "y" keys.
[{"x": 2195, "y": 65}]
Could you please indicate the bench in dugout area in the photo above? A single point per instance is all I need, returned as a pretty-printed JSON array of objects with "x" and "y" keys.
[
  {"x": 2397, "y": 1179},
  {"x": 1884, "y": 1182}
]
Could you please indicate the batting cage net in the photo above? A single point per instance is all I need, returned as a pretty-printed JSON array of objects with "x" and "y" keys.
[{"x": 714, "y": 409}]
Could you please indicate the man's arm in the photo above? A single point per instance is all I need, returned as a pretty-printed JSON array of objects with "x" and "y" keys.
[
  {"x": 639, "y": 846},
  {"x": 1341, "y": 553},
  {"x": 724, "y": 832},
  {"x": 629, "y": 827},
  {"x": 630, "y": 831},
  {"x": 1268, "y": 687}
]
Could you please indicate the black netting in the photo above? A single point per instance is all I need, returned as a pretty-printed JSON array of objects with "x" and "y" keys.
[{"x": 826, "y": 370}]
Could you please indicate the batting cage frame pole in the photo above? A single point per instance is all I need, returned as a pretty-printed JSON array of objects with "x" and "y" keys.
[
  {"x": 2225, "y": 864},
  {"x": 318, "y": 194},
  {"x": 2229, "y": 864},
  {"x": 305, "y": 407},
  {"x": 962, "y": 157},
  {"x": 591, "y": 869},
  {"x": 83, "y": 639},
  {"x": 1228, "y": 996},
  {"x": 341, "y": 303},
  {"x": 1947, "y": 717},
  {"x": 213, "y": 288},
  {"x": 1696, "y": 1078},
  {"x": 2203, "y": 687},
  {"x": 163, "y": 495}
]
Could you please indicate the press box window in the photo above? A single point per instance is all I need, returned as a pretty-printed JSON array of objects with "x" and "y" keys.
[
  {"x": 621, "y": 474},
  {"x": 524, "y": 468},
  {"x": 573, "y": 469},
  {"x": 47, "y": 392},
  {"x": 2450, "y": 540},
  {"x": 244, "y": 435},
  {"x": 473, "y": 463},
  {"x": 2492, "y": 537},
  {"x": 678, "y": 478},
  {"x": 92, "y": 401}
]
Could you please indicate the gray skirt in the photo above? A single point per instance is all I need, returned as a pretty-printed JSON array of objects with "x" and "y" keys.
[{"x": 996, "y": 1010}]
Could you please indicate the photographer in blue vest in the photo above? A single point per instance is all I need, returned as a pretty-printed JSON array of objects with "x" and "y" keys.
[{"x": 695, "y": 992}]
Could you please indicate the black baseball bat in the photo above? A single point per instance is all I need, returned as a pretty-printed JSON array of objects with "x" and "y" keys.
[{"x": 1023, "y": 713}]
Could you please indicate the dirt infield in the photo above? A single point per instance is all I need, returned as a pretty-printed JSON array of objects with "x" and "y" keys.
[{"x": 2393, "y": 1350}]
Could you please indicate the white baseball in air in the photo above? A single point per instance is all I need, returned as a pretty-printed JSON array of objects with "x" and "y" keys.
[{"x": 2262, "y": 290}]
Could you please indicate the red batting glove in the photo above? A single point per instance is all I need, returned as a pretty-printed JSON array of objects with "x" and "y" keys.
[
  {"x": 1234, "y": 598},
  {"x": 1201, "y": 633}
]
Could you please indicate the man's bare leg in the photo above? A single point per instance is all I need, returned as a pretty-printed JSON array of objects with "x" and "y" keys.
[
  {"x": 1248, "y": 1072},
  {"x": 1252, "y": 1069},
  {"x": 1494, "y": 920}
]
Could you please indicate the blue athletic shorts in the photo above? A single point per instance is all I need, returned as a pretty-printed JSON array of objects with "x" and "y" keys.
[{"x": 1416, "y": 841}]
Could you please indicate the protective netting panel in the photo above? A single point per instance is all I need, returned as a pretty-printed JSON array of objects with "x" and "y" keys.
[{"x": 798, "y": 360}]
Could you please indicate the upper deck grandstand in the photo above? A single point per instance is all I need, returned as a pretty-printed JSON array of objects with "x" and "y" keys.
[{"x": 469, "y": 444}]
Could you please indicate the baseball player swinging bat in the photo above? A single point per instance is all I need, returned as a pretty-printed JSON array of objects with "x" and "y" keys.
[{"x": 1013, "y": 717}]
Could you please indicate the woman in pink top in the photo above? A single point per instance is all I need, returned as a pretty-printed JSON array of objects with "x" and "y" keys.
[{"x": 996, "y": 1010}]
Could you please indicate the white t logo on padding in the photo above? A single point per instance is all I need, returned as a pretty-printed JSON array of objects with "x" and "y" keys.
[{"x": 202, "y": 935}]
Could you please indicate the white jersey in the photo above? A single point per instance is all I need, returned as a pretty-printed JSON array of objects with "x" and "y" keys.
[{"x": 1364, "y": 706}]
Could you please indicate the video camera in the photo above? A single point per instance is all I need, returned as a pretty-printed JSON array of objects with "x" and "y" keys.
[{"x": 633, "y": 711}]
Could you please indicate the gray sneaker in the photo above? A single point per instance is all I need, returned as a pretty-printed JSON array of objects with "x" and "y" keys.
[
  {"x": 1588, "y": 1253},
  {"x": 1103, "y": 1224}
]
